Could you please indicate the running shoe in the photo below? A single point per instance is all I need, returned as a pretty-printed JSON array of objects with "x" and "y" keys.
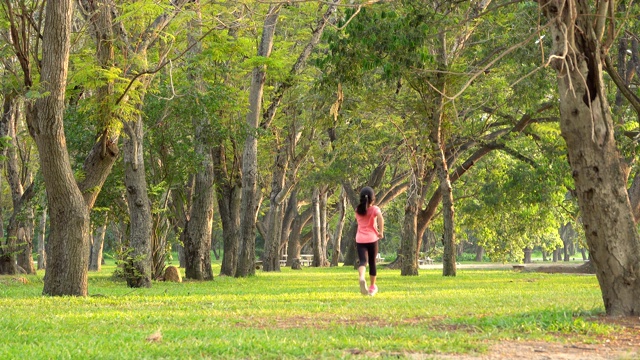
[
  {"x": 373, "y": 290},
  {"x": 363, "y": 287}
]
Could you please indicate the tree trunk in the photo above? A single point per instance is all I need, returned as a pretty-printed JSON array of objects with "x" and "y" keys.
[
  {"x": 160, "y": 226},
  {"x": 584, "y": 254},
  {"x": 197, "y": 242},
  {"x": 279, "y": 189},
  {"x": 479, "y": 253},
  {"x": 104, "y": 153},
  {"x": 319, "y": 252},
  {"x": 289, "y": 217},
  {"x": 25, "y": 256},
  {"x": 69, "y": 230},
  {"x": 409, "y": 246},
  {"x": 229, "y": 193},
  {"x": 275, "y": 214},
  {"x": 250, "y": 196},
  {"x": 7, "y": 243},
  {"x": 20, "y": 223},
  {"x": 179, "y": 208},
  {"x": 324, "y": 228},
  {"x": 587, "y": 128},
  {"x": 567, "y": 235},
  {"x": 95, "y": 263},
  {"x": 42, "y": 255},
  {"x": 138, "y": 260},
  {"x": 449, "y": 237},
  {"x": 229, "y": 208},
  {"x": 295, "y": 244},
  {"x": 442, "y": 170},
  {"x": 215, "y": 245},
  {"x": 337, "y": 234},
  {"x": 527, "y": 255},
  {"x": 351, "y": 256}
]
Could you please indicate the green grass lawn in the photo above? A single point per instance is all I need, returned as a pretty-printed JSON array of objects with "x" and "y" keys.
[{"x": 311, "y": 313}]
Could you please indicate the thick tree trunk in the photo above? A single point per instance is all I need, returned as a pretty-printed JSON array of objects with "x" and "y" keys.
[
  {"x": 250, "y": 196},
  {"x": 587, "y": 128},
  {"x": 138, "y": 261},
  {"x": 69, "y": 231}
]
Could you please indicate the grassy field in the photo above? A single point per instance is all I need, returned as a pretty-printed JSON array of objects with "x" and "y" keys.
[{"x": 311, "y": 313}]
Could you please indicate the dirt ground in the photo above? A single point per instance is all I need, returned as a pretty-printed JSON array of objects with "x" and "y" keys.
[
  {"x": 534, "y": 350},
  {"x": 622, "y": 346}
]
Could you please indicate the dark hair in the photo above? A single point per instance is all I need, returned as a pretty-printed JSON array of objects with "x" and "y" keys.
[{"x": 367, "y": 197}]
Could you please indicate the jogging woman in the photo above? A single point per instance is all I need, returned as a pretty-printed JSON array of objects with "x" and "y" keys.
[{"x": 370, "y": 230}]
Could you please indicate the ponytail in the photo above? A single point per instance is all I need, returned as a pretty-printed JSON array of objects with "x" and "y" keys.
[{"x": 367, "y": 197}]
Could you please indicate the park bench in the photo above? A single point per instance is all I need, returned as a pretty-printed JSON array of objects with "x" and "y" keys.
[
  {"x": 379, "y": 258},
  {"x": 306, "y": 259},
  {"x": 426, "y": 261}
]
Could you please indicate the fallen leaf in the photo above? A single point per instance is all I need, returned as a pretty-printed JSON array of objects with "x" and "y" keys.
[{"x": 155, "y": 337}]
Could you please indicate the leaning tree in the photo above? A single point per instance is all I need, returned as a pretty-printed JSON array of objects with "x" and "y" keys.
[{"x": 582, "y": 32}]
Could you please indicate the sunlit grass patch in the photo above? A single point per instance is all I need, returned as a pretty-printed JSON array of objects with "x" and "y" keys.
[{"x": 311, "y": 313}]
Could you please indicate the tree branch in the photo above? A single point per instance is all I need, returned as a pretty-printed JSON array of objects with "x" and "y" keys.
[{"x": 622, "y": 86}]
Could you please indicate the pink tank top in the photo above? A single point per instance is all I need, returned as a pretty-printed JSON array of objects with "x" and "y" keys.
[{"x": 367, "y": 232}]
